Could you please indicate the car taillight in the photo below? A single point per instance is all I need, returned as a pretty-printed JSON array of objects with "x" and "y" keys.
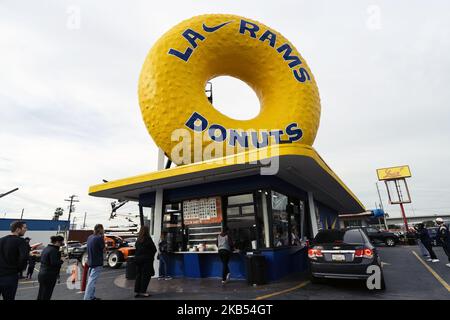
[
  {"x": 359, "y": 253},
  {"x": 364, "y": 253},
  {"x": 368, "y": 253},
  {"x": 314, "y": 253}
]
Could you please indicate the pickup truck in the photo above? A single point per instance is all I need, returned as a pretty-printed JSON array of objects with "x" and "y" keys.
[{"x": 377, "y": 236}]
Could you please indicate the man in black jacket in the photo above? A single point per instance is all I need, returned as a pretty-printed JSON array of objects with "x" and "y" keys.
[
  {"x": 50, "y": 265},
  {"x": 13, "y": 258},
  {"x": 426, "y": 241}
]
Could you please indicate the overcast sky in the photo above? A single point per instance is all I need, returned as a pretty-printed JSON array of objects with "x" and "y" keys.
[{"x": 69, "y": 113}]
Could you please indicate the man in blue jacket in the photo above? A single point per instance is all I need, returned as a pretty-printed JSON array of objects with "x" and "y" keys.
[{"x": 95, "y": 250}]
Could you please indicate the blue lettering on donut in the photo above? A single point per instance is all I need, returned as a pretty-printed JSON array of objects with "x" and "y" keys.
[
  {"x": 287, "y": 55},
  {"x": 263, "y": 143},
  {"x": 191, "y": 36},
  {"x": 240, "y": 137},
  {"x": 277, "y": 135},
  {"x": 193, "y": 122},
  {"x": 294, "y": 132},
  {"x": 301, "y": 75},
  {"x": 245, "y": 28},
  {"x": 251, "y": 27},
  {"x": 182, "y": 55},
  {"x": 212, "y": 133},
  {"x": 234, "y": 137},
  {"x": 272, "y": 37}
]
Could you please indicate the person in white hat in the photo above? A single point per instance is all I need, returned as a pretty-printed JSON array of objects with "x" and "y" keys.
[{"x": 443, "y": 236}]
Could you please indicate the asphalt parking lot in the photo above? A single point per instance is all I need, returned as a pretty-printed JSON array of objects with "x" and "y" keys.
[{"x": 407, "y": 276}]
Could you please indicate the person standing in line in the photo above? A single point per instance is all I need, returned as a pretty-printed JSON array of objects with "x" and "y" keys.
[
  {"x": 162, "y": 256},
  {"x": 27, "y": 241},
  {"x": 425, "y": 238},
  {"x": 31, "y": 266},
  {"x": 225, "y": 246},
  {"x": 95, "y": 250},
  {"x": 13, "y": 258},
  {"x": 443, "y": 236},
  {"x": 423, "y": 251},
  {"x": 50, "y": 266},
  {"x": 144, "y": 257}
]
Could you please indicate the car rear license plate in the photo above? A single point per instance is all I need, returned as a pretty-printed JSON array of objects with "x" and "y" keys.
[{"x": 338, "y": 257}]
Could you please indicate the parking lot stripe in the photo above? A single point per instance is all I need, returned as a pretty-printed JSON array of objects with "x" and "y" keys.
[
  {"x": 301, "y": 285},
  {"x": 438, "y": 277}
]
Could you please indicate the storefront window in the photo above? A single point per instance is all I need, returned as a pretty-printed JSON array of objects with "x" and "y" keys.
[
  {"x": 280, "y": 219},
  {"x": 295, "y": 222},
  {"x": 241, "y": 221},
  {"x": 173, "y": 225}
]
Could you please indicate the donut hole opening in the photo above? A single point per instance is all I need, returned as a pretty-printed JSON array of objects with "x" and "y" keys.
[{"x": 233, "y": 98}]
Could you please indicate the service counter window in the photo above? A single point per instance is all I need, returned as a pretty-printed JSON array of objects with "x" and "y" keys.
[
  {"x": 241, "y": 221},
  {"x": 202, "y": 219}
]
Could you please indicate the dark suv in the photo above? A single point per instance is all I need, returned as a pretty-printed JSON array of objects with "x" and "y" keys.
[{"x": 377, "y": 236}]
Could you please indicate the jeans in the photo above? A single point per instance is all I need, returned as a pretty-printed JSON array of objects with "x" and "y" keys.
[
  {"x": 46, "y": 285},
  {"x": 162, "y": 265},
  {"x": 422, "y": 248},
  {"x": 225, "y": 257},
  {"x": 94, "y": 273},
  {"x": 8, "y": 287},
  {"x": 143, "y": 276}
]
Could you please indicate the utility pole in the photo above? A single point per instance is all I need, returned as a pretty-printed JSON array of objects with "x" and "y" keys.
[
  {"x": 71, "y": 200},
  {"x": 84, "y": 221}
]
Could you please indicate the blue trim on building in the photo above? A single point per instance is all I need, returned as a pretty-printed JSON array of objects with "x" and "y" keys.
[
  {"x": 233, "y": 186},
  {"x": 36, "y": 225},
  {"x": 280, "y": 262}
]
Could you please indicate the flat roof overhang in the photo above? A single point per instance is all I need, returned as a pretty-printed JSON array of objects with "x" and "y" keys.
[{"x": 299, "y": 165}]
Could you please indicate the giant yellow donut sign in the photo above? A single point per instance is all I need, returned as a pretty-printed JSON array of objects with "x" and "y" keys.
[{"x": 172, "y": 85}]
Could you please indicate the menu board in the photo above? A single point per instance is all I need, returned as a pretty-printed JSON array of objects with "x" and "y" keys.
[{"x": 202, "y": 211}]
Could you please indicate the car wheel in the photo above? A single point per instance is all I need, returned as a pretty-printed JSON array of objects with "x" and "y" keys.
[
  {"x": 115, "y": 260},
  {"x": 84, "y": 259},
  {"x": 389, "y": 242}
]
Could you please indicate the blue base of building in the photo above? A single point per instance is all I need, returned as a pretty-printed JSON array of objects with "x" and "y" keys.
[{"x": 280, "y": 262}]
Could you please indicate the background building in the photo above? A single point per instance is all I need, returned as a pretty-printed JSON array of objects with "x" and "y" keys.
[{"x": 38, "y": 230}]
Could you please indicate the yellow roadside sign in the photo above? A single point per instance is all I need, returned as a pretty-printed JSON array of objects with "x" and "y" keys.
[{"x": 394, "y": 173}]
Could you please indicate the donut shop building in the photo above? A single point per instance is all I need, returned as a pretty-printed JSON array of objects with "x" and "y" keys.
[
  {"x": 270, "y": 214},
  {"x": 274, "y": 197}
]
